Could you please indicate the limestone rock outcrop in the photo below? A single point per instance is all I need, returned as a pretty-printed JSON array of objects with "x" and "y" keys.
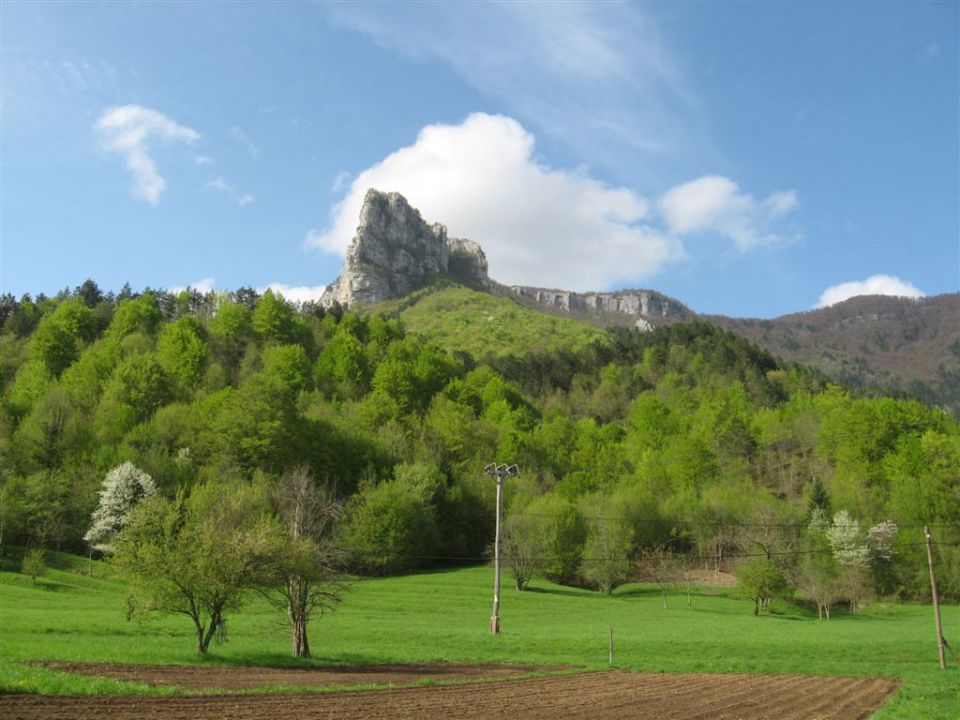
[
  {"x": 468, "y": 264},
  {"x": 396, "y": 252},
  {"x": 649, "y": 307},
  {"x": 627, "y": 302}
]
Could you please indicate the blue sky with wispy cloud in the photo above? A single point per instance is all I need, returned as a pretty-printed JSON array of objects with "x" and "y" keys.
[{"x": 750, "y": 159}]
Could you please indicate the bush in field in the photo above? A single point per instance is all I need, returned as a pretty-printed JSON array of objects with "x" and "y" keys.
[
  {"x": 522, "y": 547},
  {"x": 34, "y": 564},
  {"x": 564, "y": 533},
  {"x": 607, "y": 559},
  {"x": 392, "y": 527}
]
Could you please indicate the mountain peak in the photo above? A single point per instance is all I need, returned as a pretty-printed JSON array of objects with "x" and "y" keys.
[{"x": 395, "y": 251}]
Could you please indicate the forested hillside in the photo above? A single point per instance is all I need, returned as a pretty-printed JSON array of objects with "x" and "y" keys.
[
  {"x": 879, "y": 343},
  {"x": 636, "y": 451}
]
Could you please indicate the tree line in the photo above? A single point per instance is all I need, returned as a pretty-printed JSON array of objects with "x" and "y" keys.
[{"x": 668, "y": 442}]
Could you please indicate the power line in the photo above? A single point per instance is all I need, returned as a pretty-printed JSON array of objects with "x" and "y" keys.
[
  {"x": 719, "y": 523},
  {"x": 698, "y": 557}
]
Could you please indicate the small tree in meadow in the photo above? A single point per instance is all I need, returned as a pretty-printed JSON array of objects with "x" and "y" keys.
[
  {"x": 662, "y": 566},
  {"x": 761, "y": 581},
  {"x": 123, "y": 489},
  {"x": 34, "y": 564},
  {"x": 522, "y": 545},
  {"x": 306, "y": 567},
  {"x": 199, "y": 555},
  {"x": 607, "y": 561}
]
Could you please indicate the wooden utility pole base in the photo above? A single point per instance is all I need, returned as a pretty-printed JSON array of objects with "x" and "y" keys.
[{"x": 936, "y": 602}]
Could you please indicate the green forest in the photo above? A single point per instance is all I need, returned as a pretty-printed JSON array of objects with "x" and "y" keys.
[{"x": 640, "y": 455}]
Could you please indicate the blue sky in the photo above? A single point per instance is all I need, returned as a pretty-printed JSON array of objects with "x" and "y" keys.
[{"x": 747, "y": 159}]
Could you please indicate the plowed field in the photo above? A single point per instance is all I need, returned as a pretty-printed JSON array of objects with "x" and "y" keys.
[
  {"x": 607, "y": 695},
  {"x": 192, "y": 677}
]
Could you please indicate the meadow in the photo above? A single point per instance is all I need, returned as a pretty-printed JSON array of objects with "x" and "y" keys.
[{"x": 77, "y": 613}]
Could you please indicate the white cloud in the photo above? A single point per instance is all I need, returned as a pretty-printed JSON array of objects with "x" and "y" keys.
[
  {"x": 714, "y": 203},
  {"x": 781, "y": 203},
  {"x": 340, "y": 181},
  {"x": 132, "y": 130},
  {"x": 203, "y": 160},
  {"x": 873, "y": 285},
  {"x": 221, "y": 185},
  {"x": 241, "y": 137},
  {"x": 297, "y": 294},
  {"x": 537, "y": 225},
  {"x": 205, "y": 285}
]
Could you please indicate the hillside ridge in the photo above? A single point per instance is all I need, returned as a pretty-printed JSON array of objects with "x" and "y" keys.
[{"x": 890, "y": 343}]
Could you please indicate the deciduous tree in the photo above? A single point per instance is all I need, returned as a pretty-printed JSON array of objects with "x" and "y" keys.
[
  {"x": 123, "y": 489},
  {"x": 761, "y": 580},
  {"x": 308, "y": 566},
  {"x": 198, "y": 555}
]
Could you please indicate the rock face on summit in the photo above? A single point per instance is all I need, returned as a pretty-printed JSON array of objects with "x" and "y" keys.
[
  {"x": 396, "y": 252},
  {"x": 646, "y": 308}
]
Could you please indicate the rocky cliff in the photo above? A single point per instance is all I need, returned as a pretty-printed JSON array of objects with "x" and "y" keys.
[
  {"x": 645, "y": 309},
  {"x": 396, "y": 252}
]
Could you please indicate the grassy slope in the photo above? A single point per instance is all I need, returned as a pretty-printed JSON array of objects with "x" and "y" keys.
[
  {"x": 444, "y": 616},
  {"x": 458, "y": 318}
]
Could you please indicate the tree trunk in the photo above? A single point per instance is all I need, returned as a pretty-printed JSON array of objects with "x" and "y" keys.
[
  {"x": 664, "y": 597},
  {"x": 298, "y": 597},
  {"x": 301, "y": 645},
  {"x": 204, "y": 637},
  {"x": 201, "y": 647}
]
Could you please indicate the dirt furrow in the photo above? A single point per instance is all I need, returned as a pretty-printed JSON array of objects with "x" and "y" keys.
[{"x": 606, "y": 695}]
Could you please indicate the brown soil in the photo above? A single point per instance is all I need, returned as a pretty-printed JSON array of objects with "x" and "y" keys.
[
  {"x": 713, "y": 578},
  {"x": 191, "y": 677},
  {"x": 608, "y": 695}
]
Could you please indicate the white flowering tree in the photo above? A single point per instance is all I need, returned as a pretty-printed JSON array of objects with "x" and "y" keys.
[
  {"x": 848, "y": 542},
  {"x": 851, "y": 548},
  {"x": 123, "y": 489}
]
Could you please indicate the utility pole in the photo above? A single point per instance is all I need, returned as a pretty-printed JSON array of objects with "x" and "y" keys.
[
  {"x": 936, "y": 600},
  {"x": 500, "y": 472}
]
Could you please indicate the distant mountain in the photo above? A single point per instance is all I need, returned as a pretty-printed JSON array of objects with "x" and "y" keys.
[
  {"x": 891, "y": 343},
  {"x": 887, "y": 343}
]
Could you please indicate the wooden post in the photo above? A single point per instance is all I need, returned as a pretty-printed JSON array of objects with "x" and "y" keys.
[
  {"x": 610, "y": 646},
  {"x": 936, "y": 600},
  {"x": 495, "y": 618}
]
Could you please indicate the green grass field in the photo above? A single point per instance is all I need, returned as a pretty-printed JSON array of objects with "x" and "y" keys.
[{"x": 73, "y": 616}]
